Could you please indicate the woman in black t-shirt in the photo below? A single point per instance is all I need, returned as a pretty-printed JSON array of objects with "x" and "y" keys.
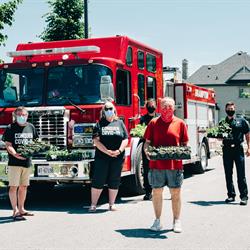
[{"x": 110, "y": 138}]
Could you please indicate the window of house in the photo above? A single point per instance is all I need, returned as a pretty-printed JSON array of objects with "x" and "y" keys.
[
  {"x": 129, "y": 56},
  {"x": 140, "y": 59},
  {"x": 141, "y": 89},
  {"x": 151, "y": 63},
  {"x": 151, "y": 87},
  {"x": 244, "y": 92},
  {"x": 123, "y": 87}
]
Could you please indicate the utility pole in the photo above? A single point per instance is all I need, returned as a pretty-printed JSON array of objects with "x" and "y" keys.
[{"x": 86, "y": 24}]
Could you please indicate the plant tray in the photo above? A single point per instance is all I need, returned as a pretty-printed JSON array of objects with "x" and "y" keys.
[{"x": 170, "y": 153}]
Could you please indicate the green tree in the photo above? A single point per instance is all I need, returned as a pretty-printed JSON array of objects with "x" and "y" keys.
[
  {"x": 64, "y": 21},
  {"x": 7, "y": 11}
]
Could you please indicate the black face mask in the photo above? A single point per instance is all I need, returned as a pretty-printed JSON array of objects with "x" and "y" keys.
[
  {"x": 151, "y": 109},
  {"x": 230, "y": 112}
]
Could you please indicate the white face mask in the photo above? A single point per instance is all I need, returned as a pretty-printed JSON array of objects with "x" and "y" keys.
[
  {"x": 109, "y": 113},
  {"x": 21, "y": 119}
]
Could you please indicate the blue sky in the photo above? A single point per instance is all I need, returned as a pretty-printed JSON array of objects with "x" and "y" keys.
[{"x": 202, "y": 31}]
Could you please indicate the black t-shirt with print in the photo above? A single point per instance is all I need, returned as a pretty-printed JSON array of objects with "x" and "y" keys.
[
  {"x": 111, "y": 135},
  {"x": 19, "y": 135}
]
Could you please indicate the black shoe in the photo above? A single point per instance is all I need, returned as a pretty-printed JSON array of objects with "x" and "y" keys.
[
  {"x": 147, "y": 197},
  {"x": 230, "y": 199},
  {"x": 243, "y": 201}
]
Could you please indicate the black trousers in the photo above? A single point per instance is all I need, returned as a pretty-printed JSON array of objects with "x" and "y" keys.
[
  {"x": 235, "y": 155},
  {"x": 145, "y": 164},
  {"x": 107, "y": 171}
]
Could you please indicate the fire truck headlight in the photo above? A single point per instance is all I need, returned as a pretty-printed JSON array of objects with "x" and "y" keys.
[
  {"x": 78, "y": 141},
  {"x": 82, "y": 135}
]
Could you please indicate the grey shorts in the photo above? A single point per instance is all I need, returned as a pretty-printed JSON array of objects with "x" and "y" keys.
[{"x": 170, "y": 178}]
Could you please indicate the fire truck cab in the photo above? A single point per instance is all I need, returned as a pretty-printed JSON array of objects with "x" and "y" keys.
[{"x": 64, "y": 84}]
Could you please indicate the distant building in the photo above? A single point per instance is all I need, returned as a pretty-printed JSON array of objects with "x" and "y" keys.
[{"x": 231, "y": 81}]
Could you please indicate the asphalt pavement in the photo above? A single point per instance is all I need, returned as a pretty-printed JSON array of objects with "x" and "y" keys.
[{"x": 62, "y": 220}]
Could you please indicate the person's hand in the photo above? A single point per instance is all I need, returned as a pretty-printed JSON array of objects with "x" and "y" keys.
[
  {"x": 248, "y": 152},
  {"x": 18, "y": 156},
  {"x": 116, "y": 153},
  {"x": 113, "y": 153},
  {"x": 147, "y": 155},
  {"x": 109, "y": 152}
]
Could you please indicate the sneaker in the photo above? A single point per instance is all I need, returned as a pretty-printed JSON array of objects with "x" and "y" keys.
[
  {"x": 230, "y": 199},
  {"x": 156, "y": 226},
  {"x": 177, "y": 226},
  {"x": 147, "y": 197},
  {"x": 243, "y": 201}
]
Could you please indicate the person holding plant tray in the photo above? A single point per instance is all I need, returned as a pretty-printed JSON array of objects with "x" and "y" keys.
[
  {"x": 17, "y": 134},
  {"x": 166, "y": 130},
  {"x": 145, "y": 119},
  {"x": 110, "y": 138},
  {"x": 233, "y": 152}
]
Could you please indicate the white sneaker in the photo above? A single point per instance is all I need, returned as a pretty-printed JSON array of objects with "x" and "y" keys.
[
  {"x": 177, "y": 226},
  {"x": 156, "y": 226}
]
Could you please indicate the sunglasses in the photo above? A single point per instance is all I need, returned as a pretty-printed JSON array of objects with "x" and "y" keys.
[{"x": 106, "y": 109}]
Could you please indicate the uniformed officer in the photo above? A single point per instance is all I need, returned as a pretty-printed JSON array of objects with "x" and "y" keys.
[
  {"x": 233, "y": 152},
  {"x": 145, "y": 119}
]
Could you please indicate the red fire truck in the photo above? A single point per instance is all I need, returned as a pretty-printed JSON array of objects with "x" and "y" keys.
[{"x": 64, "y": 84}]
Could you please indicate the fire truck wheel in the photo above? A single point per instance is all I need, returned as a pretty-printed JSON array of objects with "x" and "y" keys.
[
  {"x": 201, "y": 166},
  {"x": 133, "y": 184}
]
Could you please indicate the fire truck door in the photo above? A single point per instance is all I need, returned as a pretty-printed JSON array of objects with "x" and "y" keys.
[
  {"x": 191, "y": 122},
  {"x": 202, "y": 118}
]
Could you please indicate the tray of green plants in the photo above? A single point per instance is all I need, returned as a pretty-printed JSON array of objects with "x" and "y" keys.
[
  {"x": 56, "y": 154},
  {"x": 4, "y": 156},
  {"x": 33, "y": 148},
  {"x": 138, "y": 131},
  {"x": 221, "y": 131},
  {"x": 169, "y": 153}
]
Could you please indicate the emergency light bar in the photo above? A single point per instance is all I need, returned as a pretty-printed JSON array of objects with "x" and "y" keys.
[{"x": 48, "y": 51}]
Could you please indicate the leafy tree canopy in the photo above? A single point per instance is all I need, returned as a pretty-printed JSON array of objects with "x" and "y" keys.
[
  {"x": 7, "y": 11},
  {"x": 64, "y": 22}
]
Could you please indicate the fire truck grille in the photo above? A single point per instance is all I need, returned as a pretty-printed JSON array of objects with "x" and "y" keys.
[{"x": 51, "y": 127}]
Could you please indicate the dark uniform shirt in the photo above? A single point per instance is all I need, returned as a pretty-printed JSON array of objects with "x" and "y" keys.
[
  {"x": 111, "y": 135},
  {"x": 19, "y": 135},
  {"x": 145, "y": 119},
  {"x": 240, "y": 127}
]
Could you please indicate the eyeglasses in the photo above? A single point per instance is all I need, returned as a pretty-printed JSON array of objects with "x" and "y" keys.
[{"x": 106, "y": 109}]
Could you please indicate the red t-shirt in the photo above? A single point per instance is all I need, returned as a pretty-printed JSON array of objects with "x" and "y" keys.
[{"x": 160, "y": 133}]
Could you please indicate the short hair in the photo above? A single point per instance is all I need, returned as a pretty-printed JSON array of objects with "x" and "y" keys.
[
  {"x": 168, "y": 101},
  {"x": 151, "y": 100},
  {"x": 229, "y": 104},
  {"x": 20, "y": 108}
]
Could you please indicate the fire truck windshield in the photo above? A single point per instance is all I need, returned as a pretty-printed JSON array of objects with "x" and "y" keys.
[
  {"x": 65, "y": 85},
  {"x": 21, "y": 87},
  {"x": 80, "y": 84}
]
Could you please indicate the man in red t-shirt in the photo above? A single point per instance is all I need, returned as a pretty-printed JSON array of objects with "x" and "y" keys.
[{"x": 166, "y": 130}]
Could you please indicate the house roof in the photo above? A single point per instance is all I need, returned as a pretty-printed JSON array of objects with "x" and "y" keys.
[{"x": 236, "y": 67}]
